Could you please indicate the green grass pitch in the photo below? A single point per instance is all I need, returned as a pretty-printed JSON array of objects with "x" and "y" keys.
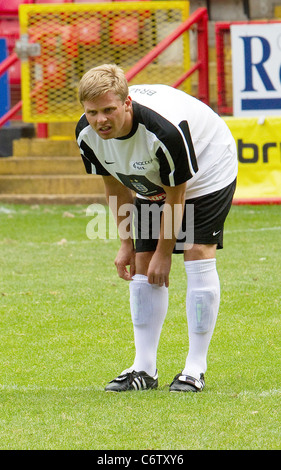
[{"x": 65, "y": 331}]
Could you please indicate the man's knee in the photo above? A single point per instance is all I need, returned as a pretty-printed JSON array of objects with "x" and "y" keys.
[
  {"x": 142, "y": 261},
  {"x": 197, "y": 252}
]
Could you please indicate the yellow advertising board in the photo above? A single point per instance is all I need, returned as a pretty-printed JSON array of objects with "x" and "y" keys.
[{"x": 258, "y": 143}]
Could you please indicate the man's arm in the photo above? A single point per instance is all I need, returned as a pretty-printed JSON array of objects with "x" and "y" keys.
[
  {"x": 118, "y": 196},
  {"x": 160, "y": 264}
]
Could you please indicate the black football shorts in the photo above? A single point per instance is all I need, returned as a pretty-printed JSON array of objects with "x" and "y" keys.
[{"x": 202, "y": 223}]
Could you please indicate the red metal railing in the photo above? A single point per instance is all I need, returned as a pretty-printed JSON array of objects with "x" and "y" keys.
[
  {"x": 4, "y": 66},
  {"x": 199, "y": 17},
  {"x": 42, "y": 128}
]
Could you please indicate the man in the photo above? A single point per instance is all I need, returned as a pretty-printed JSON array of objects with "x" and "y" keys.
[{"x": 175, "y": 153}]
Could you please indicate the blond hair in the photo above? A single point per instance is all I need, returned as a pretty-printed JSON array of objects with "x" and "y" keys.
[{"x": 100, "y": 80}]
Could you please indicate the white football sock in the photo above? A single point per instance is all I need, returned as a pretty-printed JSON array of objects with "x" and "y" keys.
[
  {"x": 202, "y": 305},
  {"x": 149, "y": 305}
]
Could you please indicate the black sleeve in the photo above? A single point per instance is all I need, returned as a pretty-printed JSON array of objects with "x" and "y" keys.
[
  {"x": 181, "y": 162},
  {"x": 92, "y": 164},
  {"x": 89, "y": 158}
]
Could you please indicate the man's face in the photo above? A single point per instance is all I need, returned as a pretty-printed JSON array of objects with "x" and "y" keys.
[{"x": 108, "y": 116}]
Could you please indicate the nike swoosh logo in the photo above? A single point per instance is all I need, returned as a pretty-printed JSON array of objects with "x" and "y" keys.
[
  {"x": 215, "y": 233},
  {"x": 108, "y": 163}
]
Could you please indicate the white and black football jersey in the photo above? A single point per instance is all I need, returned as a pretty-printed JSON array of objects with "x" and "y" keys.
[{"x": 175, "y": 138}]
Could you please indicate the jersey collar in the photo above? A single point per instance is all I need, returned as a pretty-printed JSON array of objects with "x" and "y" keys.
[{"x": 135, "y": 123}]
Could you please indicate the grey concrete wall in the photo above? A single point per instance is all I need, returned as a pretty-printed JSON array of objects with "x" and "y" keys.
[{"x": 233, "y": 10}]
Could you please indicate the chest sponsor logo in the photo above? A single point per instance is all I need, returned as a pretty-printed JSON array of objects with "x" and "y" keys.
[{"x": 141, "y": 165}]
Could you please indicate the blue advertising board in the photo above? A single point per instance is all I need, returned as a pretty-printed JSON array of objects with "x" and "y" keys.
[{"x": 4, "y": 81}]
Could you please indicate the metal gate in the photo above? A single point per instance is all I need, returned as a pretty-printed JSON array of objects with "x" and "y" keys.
[{"x": 60, "y": 42}]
